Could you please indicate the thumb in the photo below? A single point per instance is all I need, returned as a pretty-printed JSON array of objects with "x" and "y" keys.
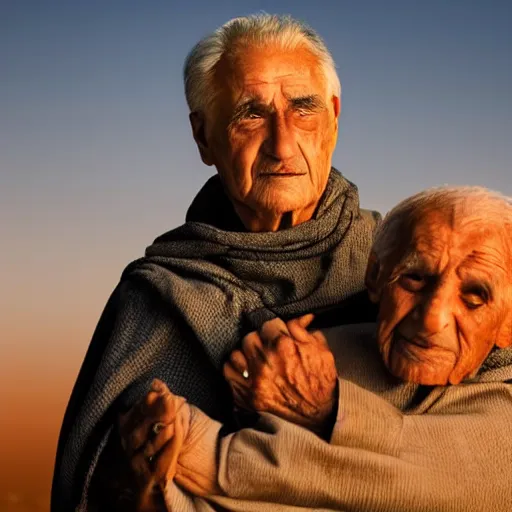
[
  {"x": 158, "y": 386},
  {"x": 298, "y": 328},
  {"x": 305, "y": 320}
]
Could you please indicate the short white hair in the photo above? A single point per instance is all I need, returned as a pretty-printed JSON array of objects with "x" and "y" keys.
[
  {"x": 466, "y": 202},
  {"x": 257, "y": 29}
]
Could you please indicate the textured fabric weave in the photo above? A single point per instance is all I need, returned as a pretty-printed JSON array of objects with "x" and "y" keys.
[
  {"x": 396, "y": 447},
  {"x": 180, "y": 310}
]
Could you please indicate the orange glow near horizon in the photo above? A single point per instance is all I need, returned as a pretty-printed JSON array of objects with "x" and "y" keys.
[{"x": 38, "y": 374}]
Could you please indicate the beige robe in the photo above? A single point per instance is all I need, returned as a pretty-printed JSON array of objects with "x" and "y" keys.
[{"x": 394, "y": 447}]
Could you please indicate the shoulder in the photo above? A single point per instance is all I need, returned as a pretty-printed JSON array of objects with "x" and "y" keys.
[
  {"x": 371, "y": 216},
  {"x": 497, "y": 367}
]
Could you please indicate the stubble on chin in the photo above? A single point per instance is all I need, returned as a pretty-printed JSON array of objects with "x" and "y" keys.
[
  {"x": 281, "y": 195},
  {"x": 425, "y": 371}
]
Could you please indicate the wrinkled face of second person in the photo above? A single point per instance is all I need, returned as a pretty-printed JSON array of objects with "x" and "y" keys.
[
  {"x": 447, "y": 303},
  {"x": 272, "y": 130}
]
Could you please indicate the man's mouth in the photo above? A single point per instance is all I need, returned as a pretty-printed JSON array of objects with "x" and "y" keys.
[
  {"x": 404, "y": 347},
  {"x": 418, "y": 346},
  {"x": 418, "y": 341},
  {"x": 285, "y": 174}
]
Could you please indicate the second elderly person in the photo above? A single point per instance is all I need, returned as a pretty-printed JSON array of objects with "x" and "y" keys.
[{"x": 419, "y": 417}]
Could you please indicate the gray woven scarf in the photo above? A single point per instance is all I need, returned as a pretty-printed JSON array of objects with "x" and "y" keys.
[{"x": 179, "y": 311}]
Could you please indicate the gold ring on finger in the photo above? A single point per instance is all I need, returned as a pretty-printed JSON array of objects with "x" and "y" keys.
[{"x": 158, "y": 427}]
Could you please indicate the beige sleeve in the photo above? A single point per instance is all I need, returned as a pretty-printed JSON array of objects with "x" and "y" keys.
[{"x": 457, "y": 457}]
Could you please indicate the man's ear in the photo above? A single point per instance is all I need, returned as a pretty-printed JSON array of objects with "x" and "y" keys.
[
  {"x": 197, "y": 121},
  {"x": 371, "y": 279},
  {"x": 336, "y": 102}
]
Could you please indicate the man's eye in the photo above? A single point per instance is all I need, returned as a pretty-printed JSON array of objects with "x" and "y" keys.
[
  {"x": 412, "y": 281},
  {"x": 474, "y": 299},
  {"x": 254, "y": 115}
]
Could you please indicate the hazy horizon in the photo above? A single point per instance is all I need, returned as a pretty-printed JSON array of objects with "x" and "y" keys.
[{"x": 97, "y": 158}]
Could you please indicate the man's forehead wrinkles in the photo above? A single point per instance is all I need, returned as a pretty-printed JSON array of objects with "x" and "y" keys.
[
  {"x": 296, "y": 77},
  {"x": 291, "y": 80},
  {"x": 437, "y": 240},
  {"x": 490, "y": 259},
  {"x": 261, "y": 88},
  {"x": 291, "y": 84},
  {"x": 427, "y": 252},
  {"x": 429, "y": 248}
]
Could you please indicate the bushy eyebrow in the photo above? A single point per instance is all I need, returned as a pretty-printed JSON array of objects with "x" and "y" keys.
[
  {"x": 469, "y": 275},
  {"x": 311, "y": 103},
  {"x": 411, "y": 261},
  {"x": 251, "y": 105}
]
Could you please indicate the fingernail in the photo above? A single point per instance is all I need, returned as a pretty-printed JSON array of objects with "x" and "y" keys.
[{"x": 156, "y": 385}]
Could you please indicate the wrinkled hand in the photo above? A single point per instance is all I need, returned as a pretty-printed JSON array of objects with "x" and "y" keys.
[
  {"x": 165, "y": 440},
  {"x": 287, "y": 371}
]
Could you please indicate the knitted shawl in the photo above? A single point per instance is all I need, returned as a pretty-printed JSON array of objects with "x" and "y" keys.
[{"x": 178, "y": 312}]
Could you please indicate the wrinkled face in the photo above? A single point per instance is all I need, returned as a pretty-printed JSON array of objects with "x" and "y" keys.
[
  {"x": 447, "y": 304},
  {"x": 272, "y": 129}
]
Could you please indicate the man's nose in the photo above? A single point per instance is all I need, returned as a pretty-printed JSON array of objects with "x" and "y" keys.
[
  {"x": 436, "y": 311},
  {"x": 281, "y": 143}
]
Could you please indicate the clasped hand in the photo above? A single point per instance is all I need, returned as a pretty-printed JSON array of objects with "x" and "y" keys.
[
  {"x": 282, "y": 369},
  {"x": 285, "y": 370}
]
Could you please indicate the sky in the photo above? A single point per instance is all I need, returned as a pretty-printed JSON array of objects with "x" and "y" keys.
[{"x": 97, "y": 157}]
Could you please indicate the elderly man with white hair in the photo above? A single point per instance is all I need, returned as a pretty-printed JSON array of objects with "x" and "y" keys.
[
  {"x": 277, "y": 232},
  {"x": 415, "y": 416}
]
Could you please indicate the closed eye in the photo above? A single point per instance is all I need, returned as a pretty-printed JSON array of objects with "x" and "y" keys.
[{"x": 475, "y": 295}]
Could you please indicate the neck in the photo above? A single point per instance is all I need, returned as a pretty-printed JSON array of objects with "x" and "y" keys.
[{"x": 257, "y": 222}]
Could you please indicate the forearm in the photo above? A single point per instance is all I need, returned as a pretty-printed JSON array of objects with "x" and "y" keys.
[
  {"x": 197, "y": 467},
  {"x": 457, "y": 458}
]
